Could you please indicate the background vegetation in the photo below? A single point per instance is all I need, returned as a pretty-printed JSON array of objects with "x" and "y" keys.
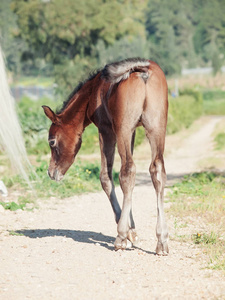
[
  {"x": 62, "y": 40},
  {"x": 65, "y": 39}
]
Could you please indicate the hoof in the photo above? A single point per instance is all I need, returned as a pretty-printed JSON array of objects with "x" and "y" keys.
[
  {"x": 120, "y": 244},
  {"x": 133, "y": 237},
  {"x": 129, "y": 244},
  {"x": 162, "y": 249}
]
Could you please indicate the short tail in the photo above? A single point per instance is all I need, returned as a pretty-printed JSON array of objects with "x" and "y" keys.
[{"x": 121, "y": 70}]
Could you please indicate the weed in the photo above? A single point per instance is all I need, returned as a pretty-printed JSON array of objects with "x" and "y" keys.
[
  {"x": 12, "y": 206},
  {"x": 14, "y": 233},
  {"x": 205, "y": 238}
]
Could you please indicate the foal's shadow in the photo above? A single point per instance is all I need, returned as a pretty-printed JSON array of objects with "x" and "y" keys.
[{"x": 88, "y": 237}]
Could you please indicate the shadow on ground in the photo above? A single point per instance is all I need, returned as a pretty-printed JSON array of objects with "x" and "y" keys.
[
  {"x": 80, "y": 236},
  {"x": 88, "y": 237},
  {"x": 143, "y": 178}
]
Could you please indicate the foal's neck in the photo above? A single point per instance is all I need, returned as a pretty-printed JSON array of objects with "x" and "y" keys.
[{"x": 76, "y": 111}]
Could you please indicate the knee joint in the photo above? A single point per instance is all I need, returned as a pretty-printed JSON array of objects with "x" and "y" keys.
[{"x": 129, "y": 169}]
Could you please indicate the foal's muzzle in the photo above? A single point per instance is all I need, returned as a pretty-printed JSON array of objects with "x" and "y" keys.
[{"x": 55, "y": 175}]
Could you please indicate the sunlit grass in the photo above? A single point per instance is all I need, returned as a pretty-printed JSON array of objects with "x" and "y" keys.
[{"x": 80, "y": 178}]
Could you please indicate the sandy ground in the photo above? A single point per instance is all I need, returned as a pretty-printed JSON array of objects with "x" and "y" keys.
[{"x": 65, "y": 250}]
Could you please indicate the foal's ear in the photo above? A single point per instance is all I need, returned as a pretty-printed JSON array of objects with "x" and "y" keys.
[{"x": 50, "y": 114}]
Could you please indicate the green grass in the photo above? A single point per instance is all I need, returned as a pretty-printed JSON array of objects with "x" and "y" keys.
[
  {"x": 80, "y": 178},
  {"x": 12, "y": 206},
  {"x": 14, "y": 233},
  {"x": 214, "y": 107},
  {"x": 204, "y": 238},
  {"x": 201, "y": 196},
  {"x": 220, "y": 141}
]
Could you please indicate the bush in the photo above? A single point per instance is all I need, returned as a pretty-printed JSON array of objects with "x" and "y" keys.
[
  {"x": 213, "y": 95},
  {"x": 183, "y": 110},
  {"x": 214, "y": 102},
  {"x": 34, "y": 124}
]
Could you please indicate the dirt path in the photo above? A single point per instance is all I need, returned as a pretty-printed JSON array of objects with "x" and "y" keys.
[{"x": 66, "y": 250}]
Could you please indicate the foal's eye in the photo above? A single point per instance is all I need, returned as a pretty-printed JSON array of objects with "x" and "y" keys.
[{"x": 52, "y": 143}]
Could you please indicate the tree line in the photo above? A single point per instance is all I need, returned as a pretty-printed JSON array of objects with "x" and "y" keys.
[{"x": 68, "y": 38}]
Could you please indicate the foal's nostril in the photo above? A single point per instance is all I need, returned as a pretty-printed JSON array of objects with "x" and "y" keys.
[{"x": 49, "y": 174}]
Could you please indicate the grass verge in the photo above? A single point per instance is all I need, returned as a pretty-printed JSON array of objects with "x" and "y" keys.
[
  {"x": 80, "y": 178},
  {"x": 199, "y": 202}
]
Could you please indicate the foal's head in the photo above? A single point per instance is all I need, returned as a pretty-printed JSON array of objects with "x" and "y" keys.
[{"x": 65, "y": 141}]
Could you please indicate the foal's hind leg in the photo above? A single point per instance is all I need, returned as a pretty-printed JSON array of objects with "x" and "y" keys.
[
  {"x": 107, "y": 142},
  {"x": 127, "y": 181},
  {"x": 158, "y": 176},
  {"x": 132, "y": 234}
]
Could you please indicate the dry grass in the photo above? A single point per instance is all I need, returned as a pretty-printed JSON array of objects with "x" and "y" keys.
[{"x": 198, "y": 82}]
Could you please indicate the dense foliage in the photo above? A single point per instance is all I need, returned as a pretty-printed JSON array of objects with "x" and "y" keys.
[
  {"x": 68, "y": 38},
  {"x": 184, "y": 110}
]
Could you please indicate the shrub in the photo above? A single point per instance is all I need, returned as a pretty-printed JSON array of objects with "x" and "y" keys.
[
  {"x": 183, "y": 110},
  {"x": 213, "y": 95},
  {"x": 214, "y": 102},
  {"x": 34, "y": 124}
]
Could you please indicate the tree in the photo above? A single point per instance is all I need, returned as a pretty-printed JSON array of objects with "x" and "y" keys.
[
  {"x": 209, "y": 37},
  {"x": 65, "y": 28},
  {"x": 7, "y": 40},
  {"x": 66, "y": 32}
]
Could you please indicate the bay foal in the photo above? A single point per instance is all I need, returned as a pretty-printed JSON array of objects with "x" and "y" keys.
[{"x": 117, "y": 99}]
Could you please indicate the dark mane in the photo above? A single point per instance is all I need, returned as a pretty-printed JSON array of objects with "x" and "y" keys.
[{"x": 76, "y": 90}]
